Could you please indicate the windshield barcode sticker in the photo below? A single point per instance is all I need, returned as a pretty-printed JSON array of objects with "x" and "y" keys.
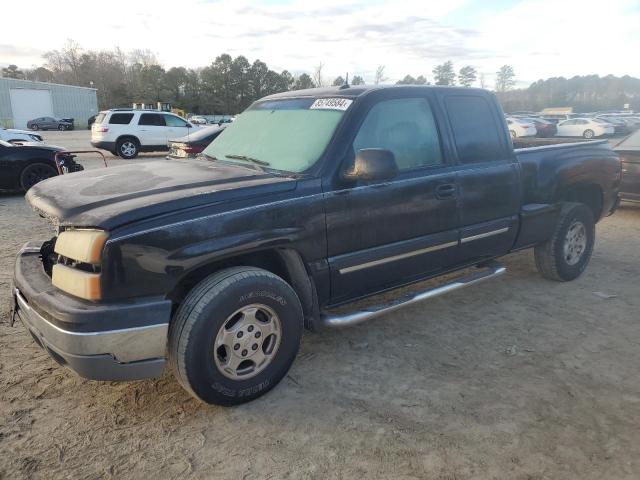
[{"x": 331, "y": 104}]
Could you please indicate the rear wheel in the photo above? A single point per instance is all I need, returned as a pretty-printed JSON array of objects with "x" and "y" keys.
[
  {"x": 513, "y": 134},
  {"x": 567, "y": 253},
  {"x": 35, "y": 126},
  {"x": 235, "y": 335},
  {"x": 588, "y": 133},
  {"x": 34, "y": 173},
  {"x": 127, "y": 148}
]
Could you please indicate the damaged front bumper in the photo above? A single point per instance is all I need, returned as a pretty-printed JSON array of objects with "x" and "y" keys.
[{"x": 100, "y": 341}]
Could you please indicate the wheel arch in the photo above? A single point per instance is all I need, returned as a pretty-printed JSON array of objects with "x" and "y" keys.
[
  {"x": 590, "y": 194},
  {"x": 128, "y": 135},
  {"x": 284, "y": 262}
]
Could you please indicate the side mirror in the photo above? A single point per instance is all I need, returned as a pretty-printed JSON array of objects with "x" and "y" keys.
[
  {"x": 189, "y": 125},
  {"x": 371, "y": 165}
]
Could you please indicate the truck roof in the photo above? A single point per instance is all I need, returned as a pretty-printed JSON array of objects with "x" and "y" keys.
[{"x": 358, "y": 90}]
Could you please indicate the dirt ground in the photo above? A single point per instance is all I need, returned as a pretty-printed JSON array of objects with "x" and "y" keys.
[{"x": 518, "y": 378}]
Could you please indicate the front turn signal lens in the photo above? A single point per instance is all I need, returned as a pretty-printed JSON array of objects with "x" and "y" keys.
[
  {"x": 76, "y": 282},
  {"x": 81, "y": 245}
]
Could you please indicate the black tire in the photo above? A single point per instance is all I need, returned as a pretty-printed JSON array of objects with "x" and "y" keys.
[
  {"x": 34, "y": 173},
  {"x": 513, "y": 134},
  {"x": 61, "y": 128},
  {"x": 128, "y": 148},
  {"x": 551, "y": 257},
  {"x": 588, "y": 133},
  {"x": 204, "y": 313},
  {"x": 35, "y": 127}
]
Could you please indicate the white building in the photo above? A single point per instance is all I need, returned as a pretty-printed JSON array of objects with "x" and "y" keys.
[{"x": 24, "y": 100}]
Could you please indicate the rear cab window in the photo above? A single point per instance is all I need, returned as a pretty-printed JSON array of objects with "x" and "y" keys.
[
  {"x": 120, "y": 118},
  {"x": 476, "y": 131}
]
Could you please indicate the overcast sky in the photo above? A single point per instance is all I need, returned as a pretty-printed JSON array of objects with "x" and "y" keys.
[{"x": 539, "y": 38}]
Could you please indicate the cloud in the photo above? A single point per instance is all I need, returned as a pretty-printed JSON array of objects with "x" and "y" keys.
[{"x": 540, "y": 38}]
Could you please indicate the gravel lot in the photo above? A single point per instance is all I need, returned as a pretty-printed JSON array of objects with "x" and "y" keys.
[{"x": 519, "y": 378}]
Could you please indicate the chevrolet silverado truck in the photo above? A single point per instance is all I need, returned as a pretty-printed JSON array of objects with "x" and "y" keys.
[{"x": 310, "y": 200}]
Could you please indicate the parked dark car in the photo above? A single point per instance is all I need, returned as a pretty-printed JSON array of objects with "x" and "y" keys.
[
  {"x": 49, "y": 123},
  {"x": 194, "y": 143},
  {"x": 310, "y": 200},
  {"x": 544, "y": 128},
  {"x": 22, "y": 166},
  {"x": 90, "y": 121},
  {"x": 629, "y": 151}
]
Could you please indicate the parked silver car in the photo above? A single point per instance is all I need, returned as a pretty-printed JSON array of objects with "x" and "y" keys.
[{"x": 50, "y": 123}]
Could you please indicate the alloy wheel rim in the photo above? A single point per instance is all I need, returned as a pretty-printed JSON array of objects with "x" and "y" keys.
[
  {"x": 575, "y": 243},
  {"x": 128, "y": 149},
  {"x": 247, "y": 342}
]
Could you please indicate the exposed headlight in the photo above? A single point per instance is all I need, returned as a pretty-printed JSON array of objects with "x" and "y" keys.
[
  {"x": 82, "y": 245},
  {"x": 76, "y": 282}
]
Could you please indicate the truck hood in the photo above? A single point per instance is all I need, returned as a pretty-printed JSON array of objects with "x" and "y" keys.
[{"x": 115, "y": 196}]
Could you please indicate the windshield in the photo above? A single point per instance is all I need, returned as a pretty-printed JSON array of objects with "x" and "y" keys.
[
  {"x": 5, "y": 144},
  {"x": 287, "y": 134}
]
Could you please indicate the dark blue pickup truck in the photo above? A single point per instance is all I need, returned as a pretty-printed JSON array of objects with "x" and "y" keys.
[{"x": 310, "y": 200}]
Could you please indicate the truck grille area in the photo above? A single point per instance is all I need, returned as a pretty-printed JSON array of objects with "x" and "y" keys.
[{"x": 48, "y": 256}]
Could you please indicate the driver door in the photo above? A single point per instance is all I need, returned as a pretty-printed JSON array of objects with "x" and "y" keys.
[
  {"x": 384, "y": 234},
  {"x": 176, "y": 127}
]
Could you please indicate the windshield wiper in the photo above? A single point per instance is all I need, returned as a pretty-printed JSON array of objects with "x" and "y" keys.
[
  {"x": 208, "y": 157},
  {"x": 248, "y": 159}
]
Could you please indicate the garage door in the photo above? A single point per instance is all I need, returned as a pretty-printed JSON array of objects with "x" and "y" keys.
[{"x": 27, "y": 104}]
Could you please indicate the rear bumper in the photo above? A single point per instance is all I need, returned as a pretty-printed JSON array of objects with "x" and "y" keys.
[
  {"x": 98, "y": 341},
  {"x": 109, "y": 146}
]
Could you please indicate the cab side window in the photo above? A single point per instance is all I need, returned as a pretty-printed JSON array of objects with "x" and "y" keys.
[{"x": 404, "y": 126}]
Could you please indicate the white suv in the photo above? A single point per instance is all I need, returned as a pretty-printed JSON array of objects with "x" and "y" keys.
[{"x": 127, "y": 132}]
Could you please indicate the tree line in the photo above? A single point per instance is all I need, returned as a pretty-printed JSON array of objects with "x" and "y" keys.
[
  {"x": 228, "y": 85},
  {"x": 588, "y": 93}
]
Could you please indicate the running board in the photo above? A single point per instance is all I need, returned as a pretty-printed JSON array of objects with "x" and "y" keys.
[{"x": 491, "y": 270}]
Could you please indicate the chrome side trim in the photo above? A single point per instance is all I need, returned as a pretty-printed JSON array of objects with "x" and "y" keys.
[
  {"x": 125, "y": 345},
  {"x": 484, "y": 235},
  {"x": 337, "y": 320},
  {"x": 394, "y": 258}
]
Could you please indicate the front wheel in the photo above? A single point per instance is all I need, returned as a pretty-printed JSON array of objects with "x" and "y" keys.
[
  {"x": 588, "y": 134},
  {"x": 567, "y": 253},
  {"x": 235, "y": 335},
  {"x": 61, "y": 128},
  {"x": 34, "y": 173}
]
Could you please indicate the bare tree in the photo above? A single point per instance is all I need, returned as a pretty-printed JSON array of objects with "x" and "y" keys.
[
  {"x": 483, "y": 82},
  {"x": 317, "y": 75},
  {"x": 380, "y": 77}
]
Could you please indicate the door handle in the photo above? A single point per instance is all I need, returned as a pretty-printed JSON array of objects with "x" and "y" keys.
[{"x": 448, "y": 190}]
